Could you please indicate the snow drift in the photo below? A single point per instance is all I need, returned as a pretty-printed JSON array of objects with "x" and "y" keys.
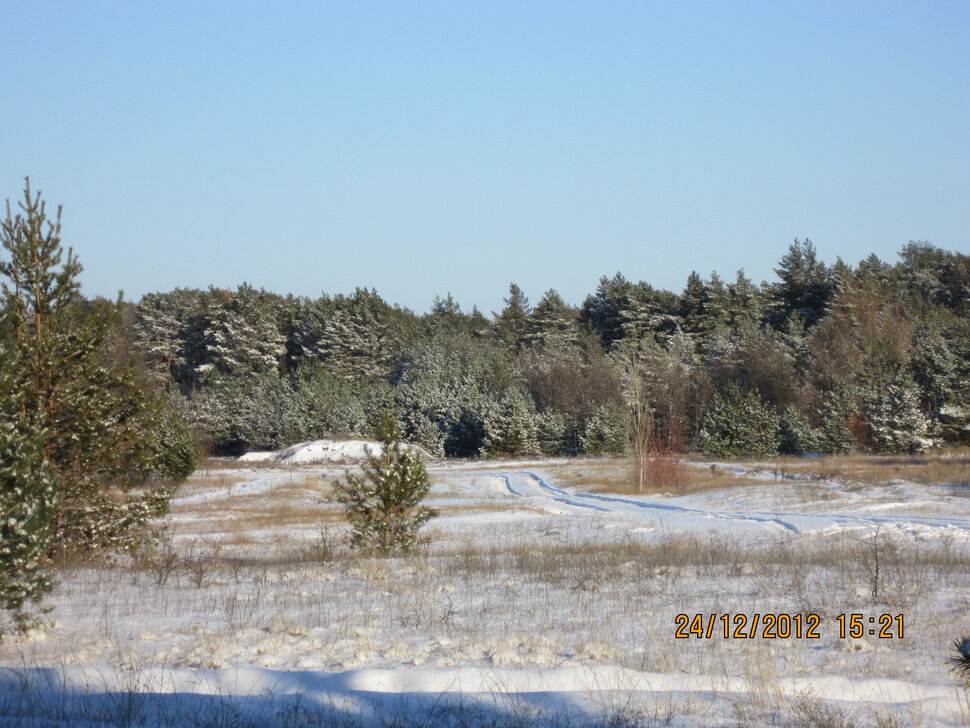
[{"x": 323, "y": 451}]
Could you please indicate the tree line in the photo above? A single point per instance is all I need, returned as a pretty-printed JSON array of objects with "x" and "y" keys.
[{"x": 830, "y": 358}]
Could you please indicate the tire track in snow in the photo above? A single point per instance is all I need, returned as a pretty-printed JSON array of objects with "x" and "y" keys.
[
  {"x": 527, "y": 484},
  {"x": 630, "y": 505}
]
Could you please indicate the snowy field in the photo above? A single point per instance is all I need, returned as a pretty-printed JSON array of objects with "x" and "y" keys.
[{"x": 536, "y": 602}]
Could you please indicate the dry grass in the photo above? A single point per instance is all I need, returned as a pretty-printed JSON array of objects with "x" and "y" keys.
[
  {"x": 477, "y": 507},
  {"x": 618, "y": 475},
  {"x": 947, "y": 467},
  {"x": 216, "y": 479},
  {"x": 600, "y": 475},
  {"x": 295, "y": 505},
  {"x": 708, "y": 477}
]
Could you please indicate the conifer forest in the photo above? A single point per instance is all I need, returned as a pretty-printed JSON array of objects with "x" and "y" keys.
[{"x": 829, "y": 358}]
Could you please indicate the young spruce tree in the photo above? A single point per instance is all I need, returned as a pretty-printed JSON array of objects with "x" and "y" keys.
[{"x": 383, "y": 504}]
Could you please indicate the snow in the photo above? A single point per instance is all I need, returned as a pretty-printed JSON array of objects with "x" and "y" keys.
[
  {"x": 534, "y": 604},
  {"x": 321, "y": 451}
]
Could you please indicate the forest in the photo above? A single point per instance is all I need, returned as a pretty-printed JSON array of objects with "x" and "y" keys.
[{"x": 830, "y": 358}]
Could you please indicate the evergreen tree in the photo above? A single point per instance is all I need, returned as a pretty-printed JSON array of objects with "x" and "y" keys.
[
  {"x": 551, "y": 433},
  {"x": 159, "y": 329},
  {"x": 606, "y": 431},
  {"x": 305, "y": 340},
  {"x": 176, "y": 447},
  {"x": 361, "y": 335},
  {"x": 938, "y": 276},
  {"x": 796, "y": 436},
  {"x": 446, "y": 317},
  {"x": 442, "y": 388},
  {"x": 28, "y": 503},
  {"x": 551, "y": 327},
  {"x": 743, "y": 302},
  {"x": 897, "y": 423},
  {"x": 704, "y": 305},
  {"x": 95, "y": 417},
  {"x": 511, "y": 427},
  {"x": 806, "y": 287},
  {"x": 383, "y": 504},
  {"x": 602, "y": 310},
  {"x": 941, "y": 368},
  {"x": 511, "y": 323},
  {"x": 244, "y": 336},
  {"x": 739, "y": 424},
  {"x": 838, "y": 413},
  {"x": 646, "y": 312},
  {"x": 170, "y": 329}
]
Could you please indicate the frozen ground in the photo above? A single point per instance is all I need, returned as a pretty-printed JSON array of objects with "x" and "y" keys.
[{"x": 533, "y": 604}]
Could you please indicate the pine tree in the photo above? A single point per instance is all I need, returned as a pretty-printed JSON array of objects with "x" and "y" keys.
[
  {"x": 307, "y": 329},
  {"x": 796, "y": 436},
  {"x": 940, "y": 366},
  {"x": 510, "y": 324},
  {"x": 243, "y": 335},
  {"x": 835, "y": 434},
  {"x": 551, "y": 433},
  {"x": 602, "y": 310},
  {"x": 739, "y": 424},
  {"x": 551, "y": 327},
  {"x": 95, "y": 416},
  {"x": 744, "y": 302},
  {"x": 704, "y": 305},
  {"x": 606, "y": 431},
  {"x": 28, "y": 503},
  {"x": 807, "y": 285},
  {"x": 383, "y": 504},
  {"x": 176, "y": 447},
  {"x": 170, "y": 332},
  {"x": 511, "y": 427},
  {"x": 897, "y": 423},
  {"x": 359, "y": 337}
]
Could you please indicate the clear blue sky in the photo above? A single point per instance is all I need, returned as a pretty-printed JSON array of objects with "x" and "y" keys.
[{"x": 422, "y": 148}]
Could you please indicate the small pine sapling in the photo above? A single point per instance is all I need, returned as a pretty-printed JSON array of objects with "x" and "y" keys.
[{"x": 383, "y": 503}]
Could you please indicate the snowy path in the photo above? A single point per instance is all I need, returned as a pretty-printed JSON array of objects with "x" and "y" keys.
[{"x": 541, "y": 494}]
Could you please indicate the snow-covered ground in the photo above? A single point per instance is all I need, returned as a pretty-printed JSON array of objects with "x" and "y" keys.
[{"x": 532, "y": 604}]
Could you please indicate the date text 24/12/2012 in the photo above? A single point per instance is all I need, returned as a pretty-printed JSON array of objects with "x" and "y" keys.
[{"x": 786, "y": 626}]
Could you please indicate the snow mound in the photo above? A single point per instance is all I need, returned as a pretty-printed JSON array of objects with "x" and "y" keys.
[
  {"x": 261, "y": 456},
  {"x": 323, "y": 451}
]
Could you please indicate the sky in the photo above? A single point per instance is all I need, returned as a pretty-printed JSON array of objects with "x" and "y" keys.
[{"x": 427, "y": 148}]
